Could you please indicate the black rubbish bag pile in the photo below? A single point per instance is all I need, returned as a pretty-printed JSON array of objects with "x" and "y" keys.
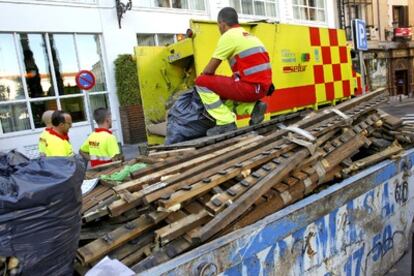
[
  {"x": 40, "y": 202},
  {"x": 187, "y": 119}
]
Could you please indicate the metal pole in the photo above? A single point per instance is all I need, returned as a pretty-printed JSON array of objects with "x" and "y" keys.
[
  {"x": 89, "y": 111},
  {"x": 362, "y": 69}
]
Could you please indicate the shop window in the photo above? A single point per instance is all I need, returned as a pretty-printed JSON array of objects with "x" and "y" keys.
[
  {"x": 75, "y": 107},
  {"x": 65, "y": 63},
  {"x": 14, "y": 117},
  {"x": 34, "y": 66},
  {"x": 37, "y": 67},
  {"x": 99, "y": 100},
  {"x": 90, "y": 54},
  {"x": 11, "y": 86},
  {"x": 38, "y": 107},
  {"x": 256, "y": 7},
  {"x": 309, "y": 10}
]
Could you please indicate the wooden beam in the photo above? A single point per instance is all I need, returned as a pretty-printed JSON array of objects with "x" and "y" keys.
[
  {"x": 395, "y": 148},
  {"x": 102, "y": 246},
  {"x": 172, "y": 153},
  {"x": 174, "y": 230}
]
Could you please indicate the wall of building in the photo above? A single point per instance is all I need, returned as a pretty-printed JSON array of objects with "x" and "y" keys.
[
  {"x": 411, "y": 13},
  {"x": 99, "y": 17}
]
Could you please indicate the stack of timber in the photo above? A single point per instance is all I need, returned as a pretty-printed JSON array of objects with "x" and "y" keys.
[{"x": 206, "y": 188}]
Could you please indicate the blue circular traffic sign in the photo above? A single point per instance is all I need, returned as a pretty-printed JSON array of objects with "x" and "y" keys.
[{"x": 85, "y": 80}]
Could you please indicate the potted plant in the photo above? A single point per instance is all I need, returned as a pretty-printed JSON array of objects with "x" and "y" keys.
[{"x": 130, "y": 105}]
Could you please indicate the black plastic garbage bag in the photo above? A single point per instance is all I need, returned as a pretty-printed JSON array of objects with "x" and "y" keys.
[
  {"x": 9, "y": 160},
  {"x": 40, "y": 213},
  {"x": 186, "y": 119}
]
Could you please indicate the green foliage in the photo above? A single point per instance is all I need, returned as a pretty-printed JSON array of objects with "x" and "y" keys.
[{"x": 126, "y": 79}]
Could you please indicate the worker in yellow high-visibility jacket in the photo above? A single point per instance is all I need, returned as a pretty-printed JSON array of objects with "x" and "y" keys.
[
  {"x": 47, "y": 120},
  {"x": 57, "y": 141},
  {"x": 101, "y": 147}
]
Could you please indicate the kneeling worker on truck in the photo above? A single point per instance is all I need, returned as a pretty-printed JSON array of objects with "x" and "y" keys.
[
  {"x": 251, "y": 80},
  {"x": 101, "y": 147}
]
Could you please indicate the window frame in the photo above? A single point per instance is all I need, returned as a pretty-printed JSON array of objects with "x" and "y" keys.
[
  {"x": 156, "y": 39},
  {"x": 308, "y": 8},
  {"x": 254, "y": 15},
  {"x": 27, "y": 100},
  {"x": 153, "y": 7}
]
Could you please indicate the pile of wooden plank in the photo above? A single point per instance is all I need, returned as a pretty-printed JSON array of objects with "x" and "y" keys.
[{"x": 206, "y": 188}]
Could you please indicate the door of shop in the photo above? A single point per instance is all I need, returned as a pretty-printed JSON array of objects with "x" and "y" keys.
[{"x": 401, "y": 82}]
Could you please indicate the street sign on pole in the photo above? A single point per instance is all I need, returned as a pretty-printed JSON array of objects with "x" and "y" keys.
[
  {"x": 85, "y": 80},
  {"x": 359, "y": 35}
]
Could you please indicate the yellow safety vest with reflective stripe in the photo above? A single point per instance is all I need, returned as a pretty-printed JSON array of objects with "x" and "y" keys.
[
  {"x": 247, "y": 56},
  {"x": 57, "y": 145},
  {"x": 43, "y": 141},
  {"x": 101, "y": 145}
]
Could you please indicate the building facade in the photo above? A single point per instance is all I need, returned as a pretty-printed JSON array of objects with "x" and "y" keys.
[
  {"x": 44, "y": 44},
  {"x": 389, "y": 61}
]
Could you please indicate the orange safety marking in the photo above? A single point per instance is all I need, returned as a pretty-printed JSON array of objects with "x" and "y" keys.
[
  {"x": 329, "y": 90},
  {"x": 326, "y": 55},
  {"x": 346, "y": 86},
  {"x": 343, "y": 54},
  {"x": 291, "y": 97},
  {"x": 318, "y": 74},
  {"x": 336, "y": 68},
  {"x": 315, "y": 38},
  {"x": 333, "y": 37},
  {"x": 359, "y": 88}
]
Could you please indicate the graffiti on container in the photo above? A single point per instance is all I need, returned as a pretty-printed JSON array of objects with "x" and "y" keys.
[
  {"x": 351, "y": 240},
  {"x": 401, "y": 192}
]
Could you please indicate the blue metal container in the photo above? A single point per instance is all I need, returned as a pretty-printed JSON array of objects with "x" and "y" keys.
[{"x": 357, "y": 227}]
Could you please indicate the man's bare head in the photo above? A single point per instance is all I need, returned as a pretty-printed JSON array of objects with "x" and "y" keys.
[{"x": 47, "y": 118}]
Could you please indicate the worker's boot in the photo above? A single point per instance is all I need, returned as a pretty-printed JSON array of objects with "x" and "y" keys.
[
  {"x": 258, "y": 113},
  {"x": 221, "y": 129}
]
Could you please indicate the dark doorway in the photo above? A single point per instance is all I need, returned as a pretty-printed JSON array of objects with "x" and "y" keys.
[{"x": 401, "y": 82}]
